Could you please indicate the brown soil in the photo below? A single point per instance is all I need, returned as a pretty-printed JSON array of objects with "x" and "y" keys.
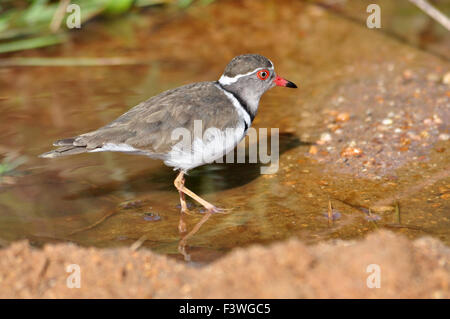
[{"x": 418, "y": 269}]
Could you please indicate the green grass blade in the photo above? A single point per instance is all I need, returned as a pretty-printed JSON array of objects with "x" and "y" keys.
[{"x": 31, "y": 43}]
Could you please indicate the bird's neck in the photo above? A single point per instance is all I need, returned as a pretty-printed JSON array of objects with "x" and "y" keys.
[{"x": 248, "y": 100}]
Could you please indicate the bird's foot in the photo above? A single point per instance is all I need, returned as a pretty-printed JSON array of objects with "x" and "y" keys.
[{"x": 217, "y": 210}]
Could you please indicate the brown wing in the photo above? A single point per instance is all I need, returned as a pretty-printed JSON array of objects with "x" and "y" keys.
[{"x": 148, "y": 126}]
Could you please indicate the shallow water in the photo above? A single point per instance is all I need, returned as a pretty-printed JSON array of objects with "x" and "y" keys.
[{"x": 109, "y": 199}]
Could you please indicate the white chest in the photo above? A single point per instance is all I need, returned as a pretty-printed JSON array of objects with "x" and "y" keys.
[{"x": 214, "y": 144}]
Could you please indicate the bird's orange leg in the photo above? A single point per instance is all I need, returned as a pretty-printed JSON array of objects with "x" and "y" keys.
[
  {"x": 184, "y": 208},
  {"x": 179, "y": 184}
]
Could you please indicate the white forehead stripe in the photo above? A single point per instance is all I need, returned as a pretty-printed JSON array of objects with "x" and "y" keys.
[{"x": 226, "y": 80}]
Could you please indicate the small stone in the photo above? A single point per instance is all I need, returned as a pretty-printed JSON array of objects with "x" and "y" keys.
[
  {"x": 313, "y": 150},
  {"x": 443, "y": 189},
  {"x": 407, "y": 74},
  {"x": 387, "y": 121},
  {"x": 445, "y": 196},
  {"x": 424, "y": 134},
  {"x": 351, "y": 152},
  {"x": 433, "y": 77},
  {"x": 340, "y": 99},
  {"x": 413, "y": 136},
  {"x": 446, "y": 78},
  {"x": 405, "y": 141},
  {"x": 437, "y": 119},
  {"x": 343, "y": 117},
  {"x": 131, "y": 204},
  {"x": 444, "y": 137},
  {"x": 324, "y": 138}
]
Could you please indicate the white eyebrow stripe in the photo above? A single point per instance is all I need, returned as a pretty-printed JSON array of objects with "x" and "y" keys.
[{"x": 226, "y": 80}]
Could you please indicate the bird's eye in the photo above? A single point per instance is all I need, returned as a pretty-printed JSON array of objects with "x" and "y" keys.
[{"x": 263, "y": 74}]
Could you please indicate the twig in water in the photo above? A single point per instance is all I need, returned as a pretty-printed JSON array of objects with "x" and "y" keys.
[
  {"x": 138, "y": 243},
  {"x": 101, "y": 220},
  {"x": 433, "y": 12},
  {"x": 372, "y": 219},
  {"x": 406, "y": 226},
  {"x": 330, "y": 212},
  {"x": 397, "y": 213}
]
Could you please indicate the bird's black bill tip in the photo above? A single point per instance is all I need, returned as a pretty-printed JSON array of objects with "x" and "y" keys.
[
  {"x": 279, "y": 81},
  {"x": 290, "y": 84}
]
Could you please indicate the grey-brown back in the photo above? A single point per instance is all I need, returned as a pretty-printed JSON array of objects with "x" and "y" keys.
[{"x": 148, "y": 126}]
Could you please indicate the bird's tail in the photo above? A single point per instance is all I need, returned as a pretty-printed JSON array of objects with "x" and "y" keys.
[{"x": 66, "y": 148}]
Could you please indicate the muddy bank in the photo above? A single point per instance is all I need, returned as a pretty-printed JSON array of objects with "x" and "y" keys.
[{"x": 408, "y": 269}]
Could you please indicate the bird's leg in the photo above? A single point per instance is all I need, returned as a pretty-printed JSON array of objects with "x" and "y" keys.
[
  {"x": 184, "y": 208},
  {"x": 179, "y": 184}
]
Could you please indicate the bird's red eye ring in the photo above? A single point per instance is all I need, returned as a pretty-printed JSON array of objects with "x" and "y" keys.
[{"x": 263, "y": 74}]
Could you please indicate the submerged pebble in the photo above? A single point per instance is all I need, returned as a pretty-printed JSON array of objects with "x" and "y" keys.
[
  {"x": 372, "y": 217},
  {"x": 150, "y": 217},
  {"x": 131, "y": 204},
  {"x": 334, "y": 215}
]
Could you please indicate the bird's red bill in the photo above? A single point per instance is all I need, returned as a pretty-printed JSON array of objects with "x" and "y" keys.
[{"x": 279, "y": 81}]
